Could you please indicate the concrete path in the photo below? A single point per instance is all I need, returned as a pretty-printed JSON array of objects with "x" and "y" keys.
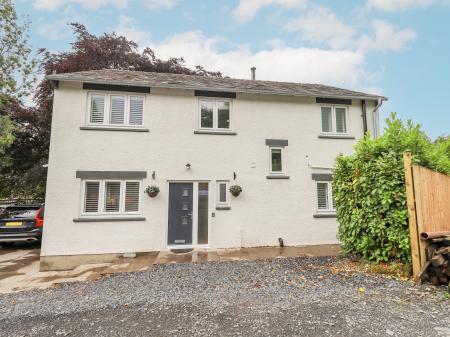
[{"x": 19, "y": 267}]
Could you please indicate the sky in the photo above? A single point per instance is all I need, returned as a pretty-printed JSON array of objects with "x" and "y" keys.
[{"x": 397, "y": 48}]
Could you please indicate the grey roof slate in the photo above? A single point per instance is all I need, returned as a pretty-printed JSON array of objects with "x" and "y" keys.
[{"x": 181, "y": 81}]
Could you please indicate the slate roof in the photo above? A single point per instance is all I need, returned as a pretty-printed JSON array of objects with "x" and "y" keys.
[{"x": 181, "y": 81}]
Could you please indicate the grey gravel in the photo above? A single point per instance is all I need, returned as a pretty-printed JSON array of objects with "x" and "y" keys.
[{"x": 283, "y": 297}]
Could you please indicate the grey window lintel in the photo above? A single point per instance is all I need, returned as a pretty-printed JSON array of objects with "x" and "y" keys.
[
  {"x": 277, "y": 142},
  {"x": 322, "y": 176},
  {"x": 111, "y": 174},
  {"x": 277, "y": 177},
  {"x": 108, "y": 219}
]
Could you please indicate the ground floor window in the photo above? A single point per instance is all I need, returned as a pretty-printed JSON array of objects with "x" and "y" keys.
[
  {"x": 325, "y": 202},
  {"x": 111, "y": 197},
  {"x": 222, "y": 193}
]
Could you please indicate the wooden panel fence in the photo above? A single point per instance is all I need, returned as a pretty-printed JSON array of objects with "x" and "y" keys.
[{"x": 428, "y": 194}]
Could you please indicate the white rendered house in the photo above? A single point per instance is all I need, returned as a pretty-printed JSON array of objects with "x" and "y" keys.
[{"x": 116, "y": 132}]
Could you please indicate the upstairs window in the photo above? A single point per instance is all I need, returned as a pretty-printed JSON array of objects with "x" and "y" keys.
[
  {"x": 325, "y": 202},
  {"x": 215, "y": 114},
  {"x": 334, "y": 119},
  {"x": 116, "y": 110}
]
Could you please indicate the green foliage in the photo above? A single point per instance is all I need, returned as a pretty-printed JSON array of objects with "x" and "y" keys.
[
  {"x": 6, "y": 133},
  {"x": 16, "y": 67},
  {"x": 370, "y": 195},
  {"x": 443, "y": 142}
]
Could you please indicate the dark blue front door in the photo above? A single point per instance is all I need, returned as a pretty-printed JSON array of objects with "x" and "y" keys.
[{"x": 180, "y": 214}]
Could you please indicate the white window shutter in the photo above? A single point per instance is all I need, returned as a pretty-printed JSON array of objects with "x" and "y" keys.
[
  {"x": 136, "y": 110},
  {"x": 341, "y": 123},
  {"x": 322, "y": 196},
  {"x": 112, "y": 196},
  {"x": 326, "y": 119},
  {"x": 117, "y": 110},
  {"x": 97, "y": 109},
  {"x": 91, "y": 194},
  {"x": 131, "y": 196}
]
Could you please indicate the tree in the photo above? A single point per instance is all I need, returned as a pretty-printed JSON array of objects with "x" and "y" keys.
[
  {"x": 6, "y": 133},
  {"x": 444, "y": 143},
  {"x": 370, "y": 194},
  {"x": 16, "y": 68},
  {"x": 25, "y": 174}
]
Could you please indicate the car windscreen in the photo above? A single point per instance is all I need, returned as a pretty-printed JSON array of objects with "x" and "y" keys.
[{"x": 19, "y": 212}]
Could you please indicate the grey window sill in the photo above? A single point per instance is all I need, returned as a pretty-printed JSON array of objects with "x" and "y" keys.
[
  {"x": 110, "y": 128},
  {"x": 215, "y": 132},
  {"x": 281, "y": 176},
  {"x": 325, "y": 215},
  {"x": 335, "y": 136},
  {"x": 109, "y": 219},
  {"x": 223, "y": 208}
]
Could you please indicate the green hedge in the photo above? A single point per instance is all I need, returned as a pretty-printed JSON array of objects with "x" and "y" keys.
[{"x": 369, "y": 190}]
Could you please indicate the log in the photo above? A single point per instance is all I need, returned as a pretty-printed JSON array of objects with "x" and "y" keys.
[
  {"x": 433, "y": 235},
  {"x": 438, "y": 260},
  {"x": 443, "y": 279},
  {"x": 443, "y": 250}
]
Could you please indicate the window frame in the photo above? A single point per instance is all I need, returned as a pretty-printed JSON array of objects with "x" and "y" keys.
[
  {"x": 331, "y": 207},
  {"x": 102, "y": 197},
  {"x": 333, "y": 119},
  {"x": 83, "y": 198},
  {"x": 283, "y": 166},
  {"x": 227, "y": 197},
  {"x": 215, "y": 126},
  {"x": 107, "y": 109}
]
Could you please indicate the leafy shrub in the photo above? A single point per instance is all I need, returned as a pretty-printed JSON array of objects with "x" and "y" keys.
[{"x": 369, "y": 190}]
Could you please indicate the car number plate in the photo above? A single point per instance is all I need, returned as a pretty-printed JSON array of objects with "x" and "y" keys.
[{"x": 14, "y": 224}]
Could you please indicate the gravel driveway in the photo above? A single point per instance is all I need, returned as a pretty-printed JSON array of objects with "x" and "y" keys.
[{"x": 282, "y": 297}]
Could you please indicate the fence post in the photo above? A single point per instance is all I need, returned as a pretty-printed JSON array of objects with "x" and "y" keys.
[{"x": 413, "y": 232}]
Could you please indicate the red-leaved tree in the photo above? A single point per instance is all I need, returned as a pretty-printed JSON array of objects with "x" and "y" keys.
[{"x": 21, "y": 170}]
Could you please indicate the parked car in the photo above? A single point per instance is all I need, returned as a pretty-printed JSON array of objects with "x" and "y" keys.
[{"x": 21, "y": 224}]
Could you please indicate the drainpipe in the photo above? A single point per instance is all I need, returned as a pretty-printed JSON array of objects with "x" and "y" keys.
[
  {"x": 364, "y": 115},
  {"x": 375, "y": 111}
]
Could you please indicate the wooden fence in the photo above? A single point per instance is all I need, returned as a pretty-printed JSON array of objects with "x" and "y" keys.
[{"x": 428, "y": 194}]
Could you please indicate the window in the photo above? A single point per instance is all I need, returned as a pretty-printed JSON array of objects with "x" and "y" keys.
[
  {"x": 97, "y": 109},
  {"x": 276, "y": 160},
  {"x": 116, "y": 110},
  {"x": 215, "y": 114},
  {"x": 111, "y": 197},
  {"x": 334, "y": 119},
  {"x": 325, "y": 202},
  {"x": 222, "y": 193}
]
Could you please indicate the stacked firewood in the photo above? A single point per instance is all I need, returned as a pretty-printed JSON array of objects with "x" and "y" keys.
[{"x": 437, "y": 268}]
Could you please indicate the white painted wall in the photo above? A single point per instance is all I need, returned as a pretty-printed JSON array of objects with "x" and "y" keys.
[{"x": 265, "y": 211}]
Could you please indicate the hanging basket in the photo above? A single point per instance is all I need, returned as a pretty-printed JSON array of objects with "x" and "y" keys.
[
  {"x": 235, "y": 190},
  {"x": 152, "y": 191}
]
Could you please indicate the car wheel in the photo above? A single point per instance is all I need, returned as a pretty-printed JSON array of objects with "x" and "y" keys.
[{"x": 6, "y": 244}]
